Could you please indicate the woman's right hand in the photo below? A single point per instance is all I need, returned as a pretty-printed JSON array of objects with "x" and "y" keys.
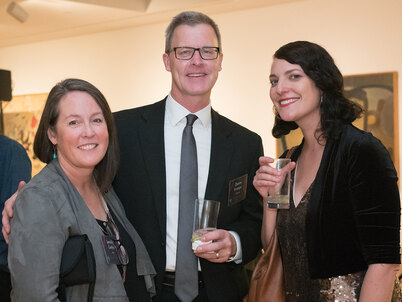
[{"x": 267, "y": 177}]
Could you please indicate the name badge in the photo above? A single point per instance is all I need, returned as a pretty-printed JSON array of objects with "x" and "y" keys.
[
  {"x": 110, "y": 249},
  {"x": 237, "y": 190}
]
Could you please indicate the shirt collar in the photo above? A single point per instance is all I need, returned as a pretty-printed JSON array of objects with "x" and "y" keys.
[{"x": 176, "y": 112}]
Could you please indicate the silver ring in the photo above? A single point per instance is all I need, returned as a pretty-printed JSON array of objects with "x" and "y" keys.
[{"x": 217, "y": 255}]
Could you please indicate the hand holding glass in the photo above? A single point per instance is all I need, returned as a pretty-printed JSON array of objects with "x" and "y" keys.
[
  {"x": 279, "y": 199},
  {"x": 205, "y": 220}
]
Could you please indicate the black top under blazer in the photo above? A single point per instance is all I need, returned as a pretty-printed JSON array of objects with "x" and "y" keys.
[
  {"x": 141, "y": 186},
  {"x": 353, "y": 216}
]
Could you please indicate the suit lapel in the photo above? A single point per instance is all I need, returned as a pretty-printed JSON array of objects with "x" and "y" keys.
[
  {"x": 221, "y": 154},
  {"x": 151, "y": 135}
]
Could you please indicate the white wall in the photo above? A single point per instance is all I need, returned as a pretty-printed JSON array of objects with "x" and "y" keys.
[{"x": 126, "y": 65}]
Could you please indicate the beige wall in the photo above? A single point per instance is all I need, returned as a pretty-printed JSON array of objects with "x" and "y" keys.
[{"x": 363, "y": 37}]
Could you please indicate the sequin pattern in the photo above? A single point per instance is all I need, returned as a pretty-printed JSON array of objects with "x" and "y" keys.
[
  {"x": 344, "y": 288},
  {"x": 299, "y": 287}
]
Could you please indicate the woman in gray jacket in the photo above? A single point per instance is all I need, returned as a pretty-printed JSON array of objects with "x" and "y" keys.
[{"x": 73, "y": 195}]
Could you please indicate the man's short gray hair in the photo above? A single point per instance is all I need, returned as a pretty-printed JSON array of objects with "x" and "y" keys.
[{"x": 189, "y": 18}]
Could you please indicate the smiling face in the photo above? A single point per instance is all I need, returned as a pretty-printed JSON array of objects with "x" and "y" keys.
[
  {"x": 294, "y": 94},
  {"x": 81, "y": 133},
  {"x": 192, "y": 80}
]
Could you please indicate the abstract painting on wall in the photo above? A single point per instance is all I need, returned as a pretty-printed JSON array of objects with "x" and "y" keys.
[{"x": 21, "y": 119}]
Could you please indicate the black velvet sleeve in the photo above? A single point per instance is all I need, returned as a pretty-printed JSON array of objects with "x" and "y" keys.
[{"x": 374, "y": 196}]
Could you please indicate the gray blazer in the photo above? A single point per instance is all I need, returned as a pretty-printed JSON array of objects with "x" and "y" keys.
[{"x": 47, "y": 211}]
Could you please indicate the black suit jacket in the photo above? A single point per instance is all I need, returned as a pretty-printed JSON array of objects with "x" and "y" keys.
[{"x": 141, "y": 186}]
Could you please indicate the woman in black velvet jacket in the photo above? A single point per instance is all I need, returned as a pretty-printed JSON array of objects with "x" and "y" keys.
[{"x": 340, "y": 238}]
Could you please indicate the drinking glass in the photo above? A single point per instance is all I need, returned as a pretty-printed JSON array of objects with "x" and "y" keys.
[
  {"x": 279, "y": 199},
  {"x": 206, "y": 213}
]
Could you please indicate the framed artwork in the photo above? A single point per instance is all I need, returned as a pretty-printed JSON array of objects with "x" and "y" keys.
[
  {"x": 377, "y": 93},
  {"x": 21, "y": 120}
]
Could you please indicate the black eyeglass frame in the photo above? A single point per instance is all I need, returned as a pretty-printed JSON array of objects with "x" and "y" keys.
[
  {"x": 113, "y": 231},
  {"x": 217, "y": 49},
  {"x": 115, "y": 236}
]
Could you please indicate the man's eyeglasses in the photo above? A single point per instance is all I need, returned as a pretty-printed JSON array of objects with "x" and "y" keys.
[{"x": 186, "y": 53}]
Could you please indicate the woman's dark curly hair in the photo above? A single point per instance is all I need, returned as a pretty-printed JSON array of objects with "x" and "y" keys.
[{"x": 336, "y": 110}]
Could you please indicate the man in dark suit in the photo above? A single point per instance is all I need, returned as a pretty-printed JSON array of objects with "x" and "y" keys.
[{"x": 148, "y": 178}]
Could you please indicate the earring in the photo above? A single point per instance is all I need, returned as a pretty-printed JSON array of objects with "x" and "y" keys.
[
  {"x": 321, "y": 100},
  {"x": 54, "y": 152}
]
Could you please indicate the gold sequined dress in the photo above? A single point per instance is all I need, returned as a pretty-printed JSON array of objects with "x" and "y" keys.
[{"x": 299, "y": 287}]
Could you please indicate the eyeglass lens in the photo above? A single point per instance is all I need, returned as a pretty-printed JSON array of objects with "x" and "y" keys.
[
  {"x": 206, "y": 53},
  {"x": 121, "y": 251}
]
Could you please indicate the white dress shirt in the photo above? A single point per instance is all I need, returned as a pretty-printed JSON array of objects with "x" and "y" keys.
[{"x": 175, "y": 121}]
